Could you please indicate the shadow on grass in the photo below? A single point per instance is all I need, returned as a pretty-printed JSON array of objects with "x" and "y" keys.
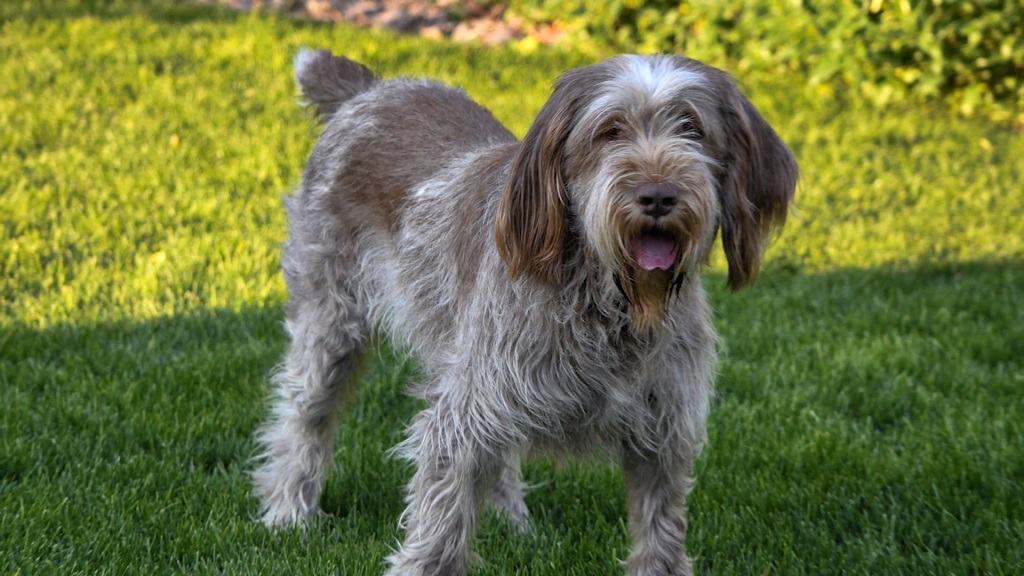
[{"x": 165, "y": 408}]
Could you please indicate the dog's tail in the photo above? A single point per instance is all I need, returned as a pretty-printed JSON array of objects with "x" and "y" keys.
[{"x": 327, "y": 81}]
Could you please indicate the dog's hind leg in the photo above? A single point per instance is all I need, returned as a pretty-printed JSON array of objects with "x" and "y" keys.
[
  {"x": 328, "y": 330},
  {"x": 455, "y": 473}
]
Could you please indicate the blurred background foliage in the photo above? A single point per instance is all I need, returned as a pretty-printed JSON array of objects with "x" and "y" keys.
[{"x": 969, "y": 53}]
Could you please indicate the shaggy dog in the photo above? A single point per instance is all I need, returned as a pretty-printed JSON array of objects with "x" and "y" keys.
[{"x": 549, "y": 288}]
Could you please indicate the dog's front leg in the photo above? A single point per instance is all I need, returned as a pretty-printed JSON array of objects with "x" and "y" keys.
[
  {"x": 454, "y": 474},
  {"x": 507, "y": 494},
  {"x": 657, "y": 489}
]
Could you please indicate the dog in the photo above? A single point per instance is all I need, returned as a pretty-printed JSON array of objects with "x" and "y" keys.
[{"x": 549, "y": 288}]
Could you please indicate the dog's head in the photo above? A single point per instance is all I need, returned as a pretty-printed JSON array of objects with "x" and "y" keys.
[{"x": 649, "y": 156}]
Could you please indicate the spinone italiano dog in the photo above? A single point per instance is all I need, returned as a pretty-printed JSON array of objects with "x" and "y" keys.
[{"x": 549, "y": 288}]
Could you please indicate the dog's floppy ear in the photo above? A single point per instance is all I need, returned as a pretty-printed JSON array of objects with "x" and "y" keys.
[
  {"x": 532, "y": 225},
  {"x": 757, "y": 182}
]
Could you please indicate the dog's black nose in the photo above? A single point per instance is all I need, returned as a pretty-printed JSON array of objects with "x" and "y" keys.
[{"x": 656, "y": 199}]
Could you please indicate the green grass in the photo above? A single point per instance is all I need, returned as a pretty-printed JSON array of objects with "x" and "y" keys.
[{"x": 869, "y": 420}]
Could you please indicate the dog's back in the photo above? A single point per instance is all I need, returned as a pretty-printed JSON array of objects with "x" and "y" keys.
[
  {"x": 404, "y": 171},
  {"x": 382, "y": 139}
]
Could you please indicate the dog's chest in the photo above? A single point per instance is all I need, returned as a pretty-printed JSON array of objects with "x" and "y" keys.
[{"x": 585, "y": 393}]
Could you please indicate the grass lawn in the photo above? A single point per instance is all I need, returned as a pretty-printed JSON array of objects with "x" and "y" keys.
[{"x": 870, "y": 414}]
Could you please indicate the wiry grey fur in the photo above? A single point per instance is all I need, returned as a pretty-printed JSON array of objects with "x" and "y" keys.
[{"x": 511, "y": 271}]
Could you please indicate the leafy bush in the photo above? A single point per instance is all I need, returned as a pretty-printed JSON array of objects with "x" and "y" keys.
[{"x": 971, "y": 52}]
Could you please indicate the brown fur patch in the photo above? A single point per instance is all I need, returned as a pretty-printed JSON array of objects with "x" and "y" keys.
[
  {"x": 648, "y": 293},
  {"x": 532, "y": 222},
  {"x": 384, "y": 165},
  {"x": 756, "y": 184}
]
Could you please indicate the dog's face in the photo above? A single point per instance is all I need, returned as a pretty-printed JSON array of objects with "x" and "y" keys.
[{"x": 644, "y": 158}]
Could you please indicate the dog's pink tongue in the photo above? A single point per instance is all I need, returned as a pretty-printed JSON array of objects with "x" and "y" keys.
[{"x": 654, "y": 251}]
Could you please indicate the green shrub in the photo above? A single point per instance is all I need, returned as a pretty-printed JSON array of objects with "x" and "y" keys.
[{"x": 969, "y": 52}]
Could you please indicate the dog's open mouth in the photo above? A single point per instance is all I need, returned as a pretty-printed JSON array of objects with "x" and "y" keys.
[{"x": 654, "y": 250}]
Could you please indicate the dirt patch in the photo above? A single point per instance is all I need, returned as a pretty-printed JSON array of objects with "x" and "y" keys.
[{"x": 485, "y": 22}]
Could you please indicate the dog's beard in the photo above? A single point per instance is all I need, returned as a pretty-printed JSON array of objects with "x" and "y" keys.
[
  {"x": 649, "y": 259},
  {"x": 649, "y": 290}
]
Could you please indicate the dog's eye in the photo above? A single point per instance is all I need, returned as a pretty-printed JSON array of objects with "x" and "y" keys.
[
  {"x": 690, "y": 128},
  {"x": 609, "y": 134}
]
